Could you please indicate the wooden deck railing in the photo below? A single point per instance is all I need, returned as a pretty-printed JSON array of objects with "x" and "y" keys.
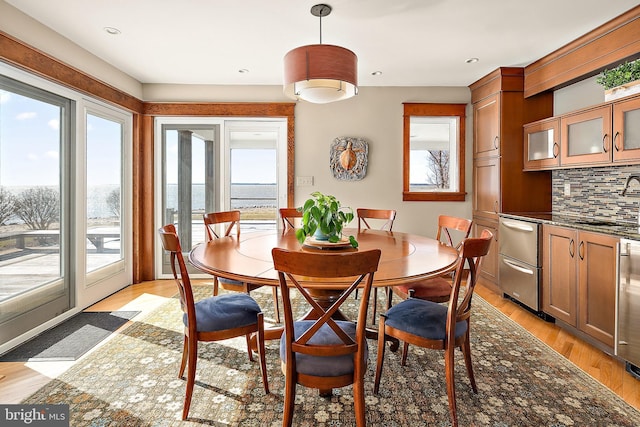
[{"x": 97, "y": 238}]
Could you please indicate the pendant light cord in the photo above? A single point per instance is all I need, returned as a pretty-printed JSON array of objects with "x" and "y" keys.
[{"x": 321, "y": 13}]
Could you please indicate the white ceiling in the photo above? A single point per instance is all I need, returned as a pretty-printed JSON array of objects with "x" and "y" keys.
[{"x": 413, "y": 42}]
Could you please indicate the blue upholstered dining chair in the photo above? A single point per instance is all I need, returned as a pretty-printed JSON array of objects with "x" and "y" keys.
[
  {"x": 437, "y": 326},
  {"x": 211, "y": 319},
  {"x": 230, "y": 220},
  {"x": 322, "y": 352},
  {"x": 451, "y": 232}
]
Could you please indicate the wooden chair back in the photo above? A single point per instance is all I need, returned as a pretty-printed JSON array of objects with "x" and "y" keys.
[
  {"x": 230, "y": 218},
  {"x": 472, "y": 251},
  {"x": 386, "y": 217},
  {"x": 453, "y": 230},
  {"x": 288, "y": 216},
  {"x": 291, "y": 265},
  {"x": 171, "y": 243}
]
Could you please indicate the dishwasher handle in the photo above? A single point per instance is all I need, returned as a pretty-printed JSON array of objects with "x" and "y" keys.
[
  {"x": 518, "y": 226},
  {"x": 517, "y": 267}
]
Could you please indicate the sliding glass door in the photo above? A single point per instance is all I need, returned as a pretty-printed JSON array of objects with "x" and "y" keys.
[
  {"x": 104, "y": 215},
  {"x": 35, "y": 130},
  {"x": 214, "y": 164},
  {"x": 65, "y": 174}
]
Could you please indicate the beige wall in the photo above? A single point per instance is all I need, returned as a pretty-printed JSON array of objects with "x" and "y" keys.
[{"x": 375, "y": 114}]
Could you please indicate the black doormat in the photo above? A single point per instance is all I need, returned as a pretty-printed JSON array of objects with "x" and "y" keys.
[{"x": 70, "y": 339}]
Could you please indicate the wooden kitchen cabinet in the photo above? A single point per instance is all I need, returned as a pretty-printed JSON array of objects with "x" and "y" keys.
[
  {"x": 486, "y": 129},
  {"x": 499, "y": 181},
  {"x": 597, "y": 278},
  {"x": 586, "y": 137},
  {"x": 486, "y": 194},
  {"x": 626, "y": 131},
  {"x": 579, "y": 280},
  {"x": 600, "y": 136},
  {"x": 542, "y": 144},
  {"x": 559, "y": 279}
]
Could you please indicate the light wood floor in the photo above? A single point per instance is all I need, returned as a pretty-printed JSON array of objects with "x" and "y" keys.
[{"x": 19, "y": 380}]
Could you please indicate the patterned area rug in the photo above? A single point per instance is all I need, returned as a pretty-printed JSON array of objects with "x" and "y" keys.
[{"x": 132, "y": 381}]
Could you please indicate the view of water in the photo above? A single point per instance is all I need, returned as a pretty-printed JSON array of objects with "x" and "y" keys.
[{"x": 242, "y": 196}]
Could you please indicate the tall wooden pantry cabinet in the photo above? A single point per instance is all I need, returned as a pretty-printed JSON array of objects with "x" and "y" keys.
[{"x": 499, "y": 183}]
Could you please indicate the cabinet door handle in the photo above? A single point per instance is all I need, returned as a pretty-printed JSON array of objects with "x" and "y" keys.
[
  {"x": 604, "y": 145},
  {"x": 572, "y": 248},
  {"x": 581, "y": 250},
  {"x": 556, "y": 150},
  {"x": 495, "y": 142},
  {"x": 615, "y": 141}
]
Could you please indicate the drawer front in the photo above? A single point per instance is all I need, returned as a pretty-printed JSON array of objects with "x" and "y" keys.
[
  {"x": 520, "y": 240},
  {"x": 521, "y": 281}
]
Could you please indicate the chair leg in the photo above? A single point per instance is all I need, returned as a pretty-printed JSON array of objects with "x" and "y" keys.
[
  {"x": 289, "y": 401},
  {"x": 248, "y": 337},
  {"x": 185, "y": 353},
  {"x": 215, "y": 286},
  {"x": 405, "y": 352},
  {"x": 262, "y": 353},
  {"x": 451, "y": 387},
  {"x": 466, "y": 351},
  {"x": 276, "y": 304},
  {"x": 358, "y": 402},
  {"x": 375, "y": 305},
  {"x": 191, "y": 375},
  {"x": 381, "y": 348}
]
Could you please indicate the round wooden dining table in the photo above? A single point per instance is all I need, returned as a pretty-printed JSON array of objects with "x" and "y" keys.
[{"x": 404, "y": 258}]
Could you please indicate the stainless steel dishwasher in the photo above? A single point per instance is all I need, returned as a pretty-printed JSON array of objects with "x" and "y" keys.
[
  {"x": 628, "y": 305},
  {"x": 520, "y": 261}
]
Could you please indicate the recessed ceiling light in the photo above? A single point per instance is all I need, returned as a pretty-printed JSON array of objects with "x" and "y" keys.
[
  {"x": 376, "y": 73},
  {"x": 112, "y": 30},
  {"x": 243, "y": 71},
  {"x": 472, "y": 60}
]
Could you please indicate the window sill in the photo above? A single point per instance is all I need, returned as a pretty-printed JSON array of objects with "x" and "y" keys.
[{"x": 433, "y": 197}]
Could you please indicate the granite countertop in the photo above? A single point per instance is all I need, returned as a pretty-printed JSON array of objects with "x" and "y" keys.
[{"x": 625, "y": 230}]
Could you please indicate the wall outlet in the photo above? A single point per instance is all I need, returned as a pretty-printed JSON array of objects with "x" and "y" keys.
[
  {"x": 304, "y": 181},
  {"x": 567, "y": 189}
]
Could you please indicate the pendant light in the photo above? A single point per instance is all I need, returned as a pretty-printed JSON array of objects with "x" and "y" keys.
[{"x": 320, "y": 73}]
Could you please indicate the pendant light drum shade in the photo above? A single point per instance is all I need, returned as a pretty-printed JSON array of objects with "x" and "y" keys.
[{"x": 320, "y": 73}]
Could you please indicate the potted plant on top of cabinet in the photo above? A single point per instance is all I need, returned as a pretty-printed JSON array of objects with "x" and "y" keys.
[{"x": 623, "y": 80}]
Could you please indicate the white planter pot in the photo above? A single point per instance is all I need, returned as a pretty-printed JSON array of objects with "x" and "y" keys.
[{"x": 626, "y": 89}]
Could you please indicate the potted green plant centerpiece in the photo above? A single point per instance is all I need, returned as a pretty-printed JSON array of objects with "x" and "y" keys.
[
  {"x": 623, "y": 80},
  {"x": 324, "y": 218}
]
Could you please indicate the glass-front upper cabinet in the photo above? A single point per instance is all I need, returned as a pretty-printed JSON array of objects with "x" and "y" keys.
[
  {"x": 626, "y": 130},
  {"x": 586, "y": 137},
  {"x": 542, "y": 144}
]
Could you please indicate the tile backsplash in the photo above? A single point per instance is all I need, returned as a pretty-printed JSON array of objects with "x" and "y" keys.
[{"x": 595, "y": 193}]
